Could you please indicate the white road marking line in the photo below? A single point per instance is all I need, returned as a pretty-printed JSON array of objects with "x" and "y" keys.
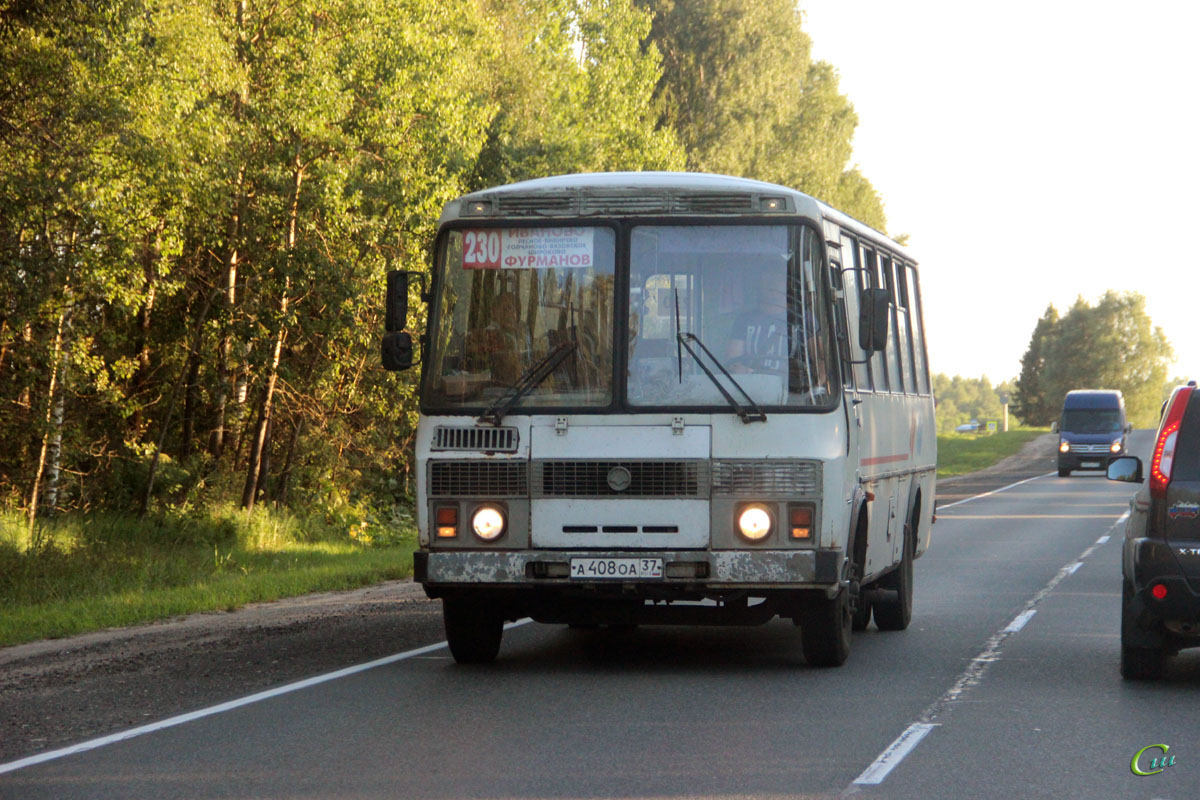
[
  {"x": 894, "y": 754},
  {"x": 994, "y": 491},
  {"x": 171, "y": 722},
  {"x": 1020, "y": 620},
  {"x": 1103, "y": 539},
  {"x": 971, "y": 676}
]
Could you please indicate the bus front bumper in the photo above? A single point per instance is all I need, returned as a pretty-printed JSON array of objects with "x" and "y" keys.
[{"x": 763, "y": 569}]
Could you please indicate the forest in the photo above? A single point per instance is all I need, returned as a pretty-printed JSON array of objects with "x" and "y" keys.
[
  {"x": 1110, "y": 345},
  {"x": 199, "y": 202}
]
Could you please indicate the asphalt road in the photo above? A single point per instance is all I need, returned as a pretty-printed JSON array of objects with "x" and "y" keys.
[{"x": 1005, "y": 686}]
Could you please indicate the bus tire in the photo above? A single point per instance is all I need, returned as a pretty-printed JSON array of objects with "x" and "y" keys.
[
  {"x": 473, "y": 631},
  {"x": 825, "y": 630},
  {"x": 862, "y": 614},
  {"x": 894, "y": 613}
]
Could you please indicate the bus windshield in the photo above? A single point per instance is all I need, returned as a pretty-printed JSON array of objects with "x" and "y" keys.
[
  {"x": 511, "y": 296},
  {"x": 753, "y": 294}
]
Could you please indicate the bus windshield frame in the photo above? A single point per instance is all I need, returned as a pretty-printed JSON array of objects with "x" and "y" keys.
[{"x": 506, "y": 294}]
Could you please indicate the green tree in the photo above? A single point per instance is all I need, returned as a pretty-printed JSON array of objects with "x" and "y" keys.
[
  {"x": 104, "y": 131},
  {"x": 570, "y": 87},
  {"x": 199, "y": 201},
  {"x": 741, "y": 90},
  {"x": 962, "y": 399},
  {"x": 1030, "y": 400},
  {"x": 1112, "y": 345}
]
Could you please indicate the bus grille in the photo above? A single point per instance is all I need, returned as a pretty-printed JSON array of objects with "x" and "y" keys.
[
  {"x": 715, "y": 203},
  {"x": 478, "y": 479},
  {"x": 535, "y": 205},
  {"x": 757, "y": 478},
  {"x": 633, "y": 203},
  {"x": 645, "y": 478},
  {"x": 630, "y": 202},
  {"x": 493, "y": 440}
]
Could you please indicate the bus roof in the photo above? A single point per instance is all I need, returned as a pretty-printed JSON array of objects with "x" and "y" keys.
[{"x": 646, "y": 193}]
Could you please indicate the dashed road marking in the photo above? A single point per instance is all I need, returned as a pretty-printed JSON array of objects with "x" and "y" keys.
[
  {"x": 894, "y": 754},
  {"x": 891, "y": 757}
]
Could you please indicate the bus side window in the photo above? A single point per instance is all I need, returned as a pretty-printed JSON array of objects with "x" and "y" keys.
[
  {"x": 878, "y": 365},
  {"x": 895, "y": 367},
  {"x": 853, "y": 282},
  {"x": 918, "y": 326},
  {"x": 904, "y": 325},
  {"x": 841, "y": 333}
]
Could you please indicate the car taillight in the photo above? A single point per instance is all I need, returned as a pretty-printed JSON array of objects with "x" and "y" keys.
[{"x": 1164, "y": 446}]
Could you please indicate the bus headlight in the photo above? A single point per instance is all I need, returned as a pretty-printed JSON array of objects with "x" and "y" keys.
[
  {"x": 1064, "y": 446},
  {"x": 1115, "y": 447},
  {"x": 755, "y": 522},
  {"x": 488, "y": 523}
]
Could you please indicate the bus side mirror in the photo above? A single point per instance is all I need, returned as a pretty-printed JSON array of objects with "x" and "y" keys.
[
  {"x": 873, "y": 320},
  {"x": 397, "y": 351},
  {"x": 396, "y": 302}
]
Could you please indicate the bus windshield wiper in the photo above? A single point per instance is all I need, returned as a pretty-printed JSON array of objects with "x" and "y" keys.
[
  {"x": 528, "y": 381},
  {"x": 750, "y": 412}
]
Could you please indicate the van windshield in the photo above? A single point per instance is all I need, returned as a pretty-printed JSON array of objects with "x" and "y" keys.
[{"x": 1092, "y": 420}]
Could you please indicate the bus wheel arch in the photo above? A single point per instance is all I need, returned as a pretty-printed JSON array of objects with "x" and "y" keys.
[{"x": 857, "y": 564}]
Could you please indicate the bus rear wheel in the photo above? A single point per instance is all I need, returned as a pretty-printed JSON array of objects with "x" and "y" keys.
[
  {"x": 825, "y": 630},
  {"x": 894, "y": 613},
  {"x": 473, "y": 631}
]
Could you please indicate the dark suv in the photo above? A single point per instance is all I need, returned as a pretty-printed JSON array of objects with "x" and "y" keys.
[{"x": 1160, "y": 609}]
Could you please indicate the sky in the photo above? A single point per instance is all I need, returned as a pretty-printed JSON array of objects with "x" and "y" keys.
[{"x": 1034, "y": 152}]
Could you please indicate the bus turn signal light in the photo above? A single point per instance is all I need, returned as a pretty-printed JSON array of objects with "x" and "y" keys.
[
  {"x": 801, "y": 522},
  {"x": 446, "y": 522}
]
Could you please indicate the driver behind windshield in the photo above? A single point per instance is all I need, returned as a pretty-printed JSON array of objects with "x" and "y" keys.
[
  {"x": 759, "y": 338},
  {"x": 760, "y": 342}
]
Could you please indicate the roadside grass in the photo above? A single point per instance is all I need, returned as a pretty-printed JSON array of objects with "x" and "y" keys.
[
  {"x": 960, "y": 453},
  {"x": 89, "y": 572}
]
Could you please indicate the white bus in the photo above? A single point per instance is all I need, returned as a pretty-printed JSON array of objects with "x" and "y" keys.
[{"x": 667, "y": 398}]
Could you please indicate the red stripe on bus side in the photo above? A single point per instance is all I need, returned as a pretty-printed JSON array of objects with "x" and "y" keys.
[{"x": 870, "y": 462}]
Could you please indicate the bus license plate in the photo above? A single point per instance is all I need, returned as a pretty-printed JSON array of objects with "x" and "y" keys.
[
  {"x": 616, "y": 568},
  {"x": 1089, "y": 464}
]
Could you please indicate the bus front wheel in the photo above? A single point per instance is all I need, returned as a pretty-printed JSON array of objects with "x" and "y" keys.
[
  {"x": 473, "y": 631},
  {"x": 825, "y": 630}
]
